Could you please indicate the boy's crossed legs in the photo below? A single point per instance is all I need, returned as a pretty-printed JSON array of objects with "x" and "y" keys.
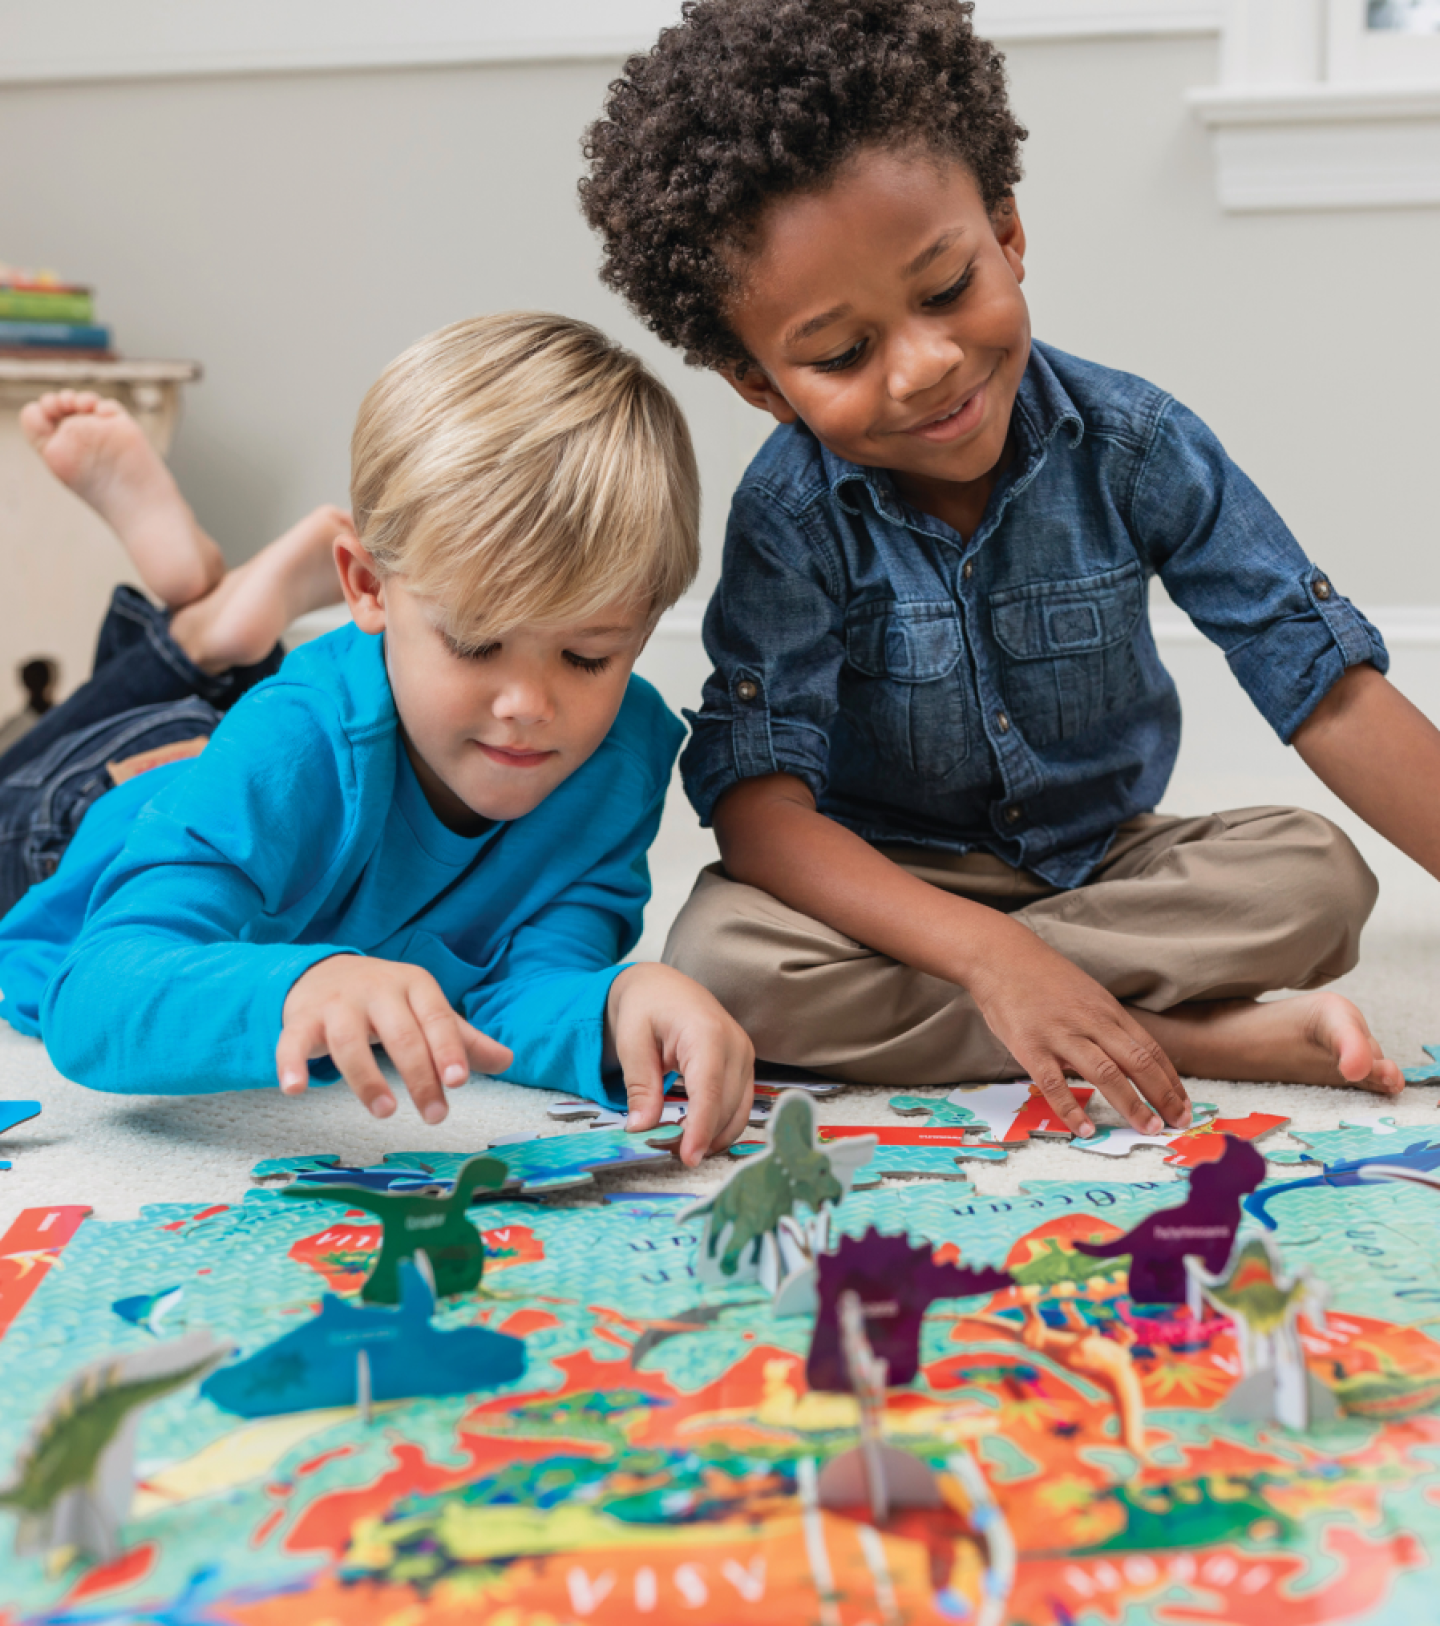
[{"x": 1186, "y": 921}]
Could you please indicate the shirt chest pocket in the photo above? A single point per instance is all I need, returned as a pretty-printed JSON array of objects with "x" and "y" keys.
[
  {"x": 1067, "y": 651},
  {"x": 904, "y": 683}
]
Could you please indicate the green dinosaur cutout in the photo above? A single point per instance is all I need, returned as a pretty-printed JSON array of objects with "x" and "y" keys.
[
  {"x": 75, "y": 1478},
  {"x": 414, "y": 1224},
  {"x": 793, "y": 1169}
]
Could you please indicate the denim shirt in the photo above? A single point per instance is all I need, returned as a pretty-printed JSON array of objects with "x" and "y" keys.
[{"x": 1003, "y": 692}]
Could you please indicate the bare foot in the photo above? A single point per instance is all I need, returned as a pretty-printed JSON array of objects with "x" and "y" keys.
[
  {"x": 240, "y": 622},
  {"x": 1308, "y": 1039},
  {"x": 97, "y": 449}
]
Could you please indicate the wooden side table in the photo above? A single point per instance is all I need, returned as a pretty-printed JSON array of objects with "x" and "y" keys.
[{"x": 60, "y": 560}]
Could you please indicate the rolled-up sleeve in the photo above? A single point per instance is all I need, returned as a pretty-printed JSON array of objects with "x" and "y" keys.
[
  {"x": 1230, "y": 562},
  {"x": 774, "y": 633}
]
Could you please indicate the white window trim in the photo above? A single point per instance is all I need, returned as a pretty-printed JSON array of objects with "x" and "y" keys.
[
  {"x": 1316, "y": 112},
  {"x": 126, "y": 39}
]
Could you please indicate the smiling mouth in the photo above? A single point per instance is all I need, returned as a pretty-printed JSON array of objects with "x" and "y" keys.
[
  {"x": 955, "y": 420},
  {"x": 507, "y": 757}
]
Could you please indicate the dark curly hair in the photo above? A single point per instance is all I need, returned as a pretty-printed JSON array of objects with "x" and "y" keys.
[{"x": 746, "y": 101}]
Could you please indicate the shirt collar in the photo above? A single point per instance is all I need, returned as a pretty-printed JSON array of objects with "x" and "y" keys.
[{"x": 1043, "y": 407}]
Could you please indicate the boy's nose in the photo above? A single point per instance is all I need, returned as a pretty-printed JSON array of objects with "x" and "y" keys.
[
  {"x": 522, "y": 702},
  {"x": 919, "y": 360}
]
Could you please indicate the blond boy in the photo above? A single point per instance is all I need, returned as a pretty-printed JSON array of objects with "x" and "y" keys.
[{"x": 428, "y": 831}]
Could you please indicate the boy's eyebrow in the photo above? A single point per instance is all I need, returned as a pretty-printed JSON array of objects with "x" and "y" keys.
[
  {"x": 601, "y": 632},
  {"x": 795, "y": 334},
  {"x": 928, "y": 256}
]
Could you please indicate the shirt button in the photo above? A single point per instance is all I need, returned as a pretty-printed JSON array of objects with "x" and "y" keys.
[
  {"x": 1014, "y": 813},
  {"x": 968, "y": 570},
  {"x": 1323, "y": 589},
  {"x": 746, "y": 690},
  {"x": 1002, "y": 721}
]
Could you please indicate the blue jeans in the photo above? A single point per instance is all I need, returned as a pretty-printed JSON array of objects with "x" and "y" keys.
[{"x": 143, "y": 692}]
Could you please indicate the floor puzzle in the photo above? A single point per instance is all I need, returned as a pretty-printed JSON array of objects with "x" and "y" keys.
[{"x": 657, "y": 1458}]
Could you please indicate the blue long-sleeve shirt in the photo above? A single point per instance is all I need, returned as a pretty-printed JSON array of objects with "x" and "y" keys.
[{"x": 158, "y": 957}]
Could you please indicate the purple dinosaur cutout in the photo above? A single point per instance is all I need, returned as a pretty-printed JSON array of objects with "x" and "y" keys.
[
  {"x": 895, "y": 1284},
  {"x": 1204, "y": 1225}
]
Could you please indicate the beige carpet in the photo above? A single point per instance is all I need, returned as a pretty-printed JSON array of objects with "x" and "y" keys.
[{"x": 118, "y": 1153}]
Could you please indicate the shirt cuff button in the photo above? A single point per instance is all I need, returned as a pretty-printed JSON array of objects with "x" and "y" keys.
[
  {"x": 746, "y": 690},
  {"x": 1014, "y": 813},
  {"x": 1323, "y": 589}
]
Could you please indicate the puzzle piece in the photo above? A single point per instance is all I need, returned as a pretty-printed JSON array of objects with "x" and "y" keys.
[
  {"x": 13, "y": 1113},
  {"x": 1118, "y": 1140},
  {"x": 1428, "y": 1072},
  {"x": 534, "y": 1164},
  {"x": 1008, "y": 1114},
  {"x": 908, "y": 1151},
  {"x": 1202, "y": 1142},
  {"x": 674, "y": 1111},
  {"x": 1332, "y": 1169}
]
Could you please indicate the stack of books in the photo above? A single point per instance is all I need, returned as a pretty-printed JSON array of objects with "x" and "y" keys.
[{"x": 42, "y": 316}]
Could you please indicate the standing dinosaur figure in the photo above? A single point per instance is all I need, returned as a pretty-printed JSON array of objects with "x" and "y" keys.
[
  {"x": 793, "y": 1169},
  {"x": 894, "y": 1284},
  {"x": 75, "y": 1478},
  {"x": 1204, "y": 1225},
  {"x": 415, "y": 1224}
]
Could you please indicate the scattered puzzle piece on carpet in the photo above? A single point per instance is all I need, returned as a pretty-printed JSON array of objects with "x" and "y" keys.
[
  {"x": 534, "y": 1165},
  {"x": 1427, "y": 1072},
  {"x": 13, "y": 1113},
  {"x": 1008, "y": 1114}
]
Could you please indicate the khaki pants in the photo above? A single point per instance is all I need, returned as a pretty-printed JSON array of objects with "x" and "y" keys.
[{"x": 1235, "y": 904}]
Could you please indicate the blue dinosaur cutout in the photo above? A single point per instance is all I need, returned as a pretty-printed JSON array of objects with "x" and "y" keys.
[
  {"x": 1419, "y": 1154},
  {"x": 316, "y": 1365}
]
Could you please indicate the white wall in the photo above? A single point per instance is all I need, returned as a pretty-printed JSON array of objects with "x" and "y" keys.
[{"x": 293, "y": 231}]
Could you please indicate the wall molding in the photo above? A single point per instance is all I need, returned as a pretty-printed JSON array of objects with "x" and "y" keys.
[
  {"x": 1324, "y": 146},
  {"x": 93, "y": 40}
]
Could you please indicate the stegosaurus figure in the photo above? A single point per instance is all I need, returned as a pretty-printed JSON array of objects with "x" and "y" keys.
[
  {"x": 75, "y": 1479},
  {"x": 794, "y": 1170}
]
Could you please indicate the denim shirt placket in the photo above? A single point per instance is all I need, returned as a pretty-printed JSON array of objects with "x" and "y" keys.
[{"x": 1020, "y": 773}]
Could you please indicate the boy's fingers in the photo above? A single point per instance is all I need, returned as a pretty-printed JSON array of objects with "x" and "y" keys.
[
  {"x": 644, "y": 1075},
  {"x": 348, "y": 1044},
  {"x": 1153, "y": 1073},
  {"x": 441, "y": 1027},
  {"x": 406, "y": 1045},
  {"x": 487, "y": 1055},
  {"x": 1051, "y": 1083},
  {"x": 1096, "y": 1068},
  {"x": 292, "y": 1057},
  {"x": 705, "y": 1089}
]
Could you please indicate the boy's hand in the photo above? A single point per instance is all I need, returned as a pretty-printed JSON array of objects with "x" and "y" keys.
[
  {"x": 1054, "y": 1019},
  {"x": 658, "y": 1021},
  {"x": 345, "y": 1004}
]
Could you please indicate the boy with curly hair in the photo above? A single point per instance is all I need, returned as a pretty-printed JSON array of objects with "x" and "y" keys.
[
  {"x": 938, "y": 726},
  {"x": 424, "y": 832}
]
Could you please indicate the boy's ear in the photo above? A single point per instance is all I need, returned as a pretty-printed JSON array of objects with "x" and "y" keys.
[
  {"x": 754, "y": 387},
  {"x": 1010, "y": 234},
  {"x": 361, "y": 582}
]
